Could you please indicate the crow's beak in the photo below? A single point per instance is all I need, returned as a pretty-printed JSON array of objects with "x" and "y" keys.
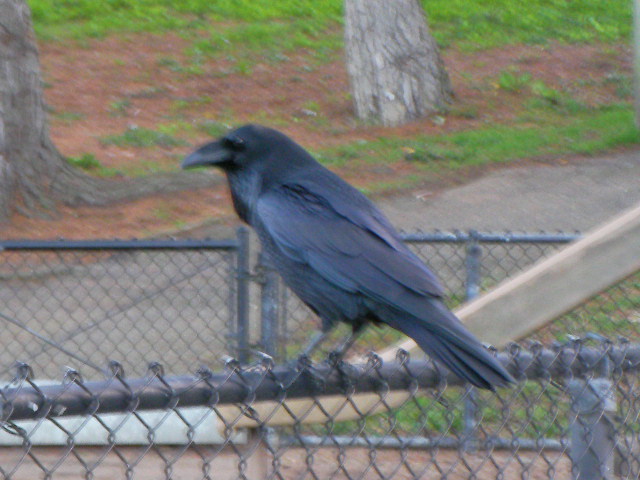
[{"x": 211, "y": 154}]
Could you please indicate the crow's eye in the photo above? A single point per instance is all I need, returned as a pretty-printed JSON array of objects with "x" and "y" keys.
[{"x": 234, "y": 143}]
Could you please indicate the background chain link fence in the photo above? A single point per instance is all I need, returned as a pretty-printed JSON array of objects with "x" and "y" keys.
[
  {"x": 185, "y": 304},
  {"x": 64, "y": 302}
]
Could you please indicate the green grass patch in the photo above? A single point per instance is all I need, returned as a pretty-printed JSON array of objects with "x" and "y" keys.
[
  {"x": 611, "y": 313},
  {"x": 89, "y": 163},
  {"x": 139, "y": 168},
  {"x": 512, "y": 80},
  {"x": 247, "y": 32},
  {"x": 214, "y": 128},
  {"x": 144, "y": 138},
  {"x": 68, "y": 117},
  {"x": 120, "y": 107},
  {"x": 280, "y": 25},
  {"x": 268, "y": 39},
  {"x": 541, "y": 133},
  {"x": 192, "y": 68},
  {"x": 188, "y": 103},
  {"x": 536, "y": 410},
  {"x": 83, "y": 19},
  {"x": 479, "y": 25},
  {"x": 86, "y": 161}
]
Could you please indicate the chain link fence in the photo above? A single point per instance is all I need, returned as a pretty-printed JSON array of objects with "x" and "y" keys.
[
  {"x": 573, "y": 413},
  {"x": 64, "y": 302},
  {"x": 189, "y": 302}
]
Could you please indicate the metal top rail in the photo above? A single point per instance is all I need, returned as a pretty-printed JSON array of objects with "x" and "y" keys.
[
  {"x": 459, "y": 236},
  {"x": 169, "y": 244},
  {"x": 456, "y": 236},
  {"x": 266, "y": 382}
]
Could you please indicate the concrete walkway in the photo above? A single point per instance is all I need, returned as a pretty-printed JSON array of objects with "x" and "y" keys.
[{"x": 576, "y": 196}]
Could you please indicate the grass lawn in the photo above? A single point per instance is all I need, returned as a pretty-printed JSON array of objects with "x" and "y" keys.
[{"x": 133, "y": 84}]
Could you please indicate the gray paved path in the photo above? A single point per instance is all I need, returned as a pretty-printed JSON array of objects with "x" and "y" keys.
[{"x": 576, "y": 196}]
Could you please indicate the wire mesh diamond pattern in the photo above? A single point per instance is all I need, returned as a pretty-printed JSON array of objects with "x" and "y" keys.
[
  {"x": 137, "y": 306},
  {"x": 572, "y": 414}
]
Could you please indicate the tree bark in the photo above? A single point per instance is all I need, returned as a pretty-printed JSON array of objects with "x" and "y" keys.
[
  {"x": 395, "y": 68},
  {"x": 34, "y": 176},
  {"x": 30, "y": 164}
]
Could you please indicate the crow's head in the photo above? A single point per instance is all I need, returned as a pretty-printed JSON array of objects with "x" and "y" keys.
[
  {"x": 251, "y": 148},
  {"x": 255, "y": 159}
]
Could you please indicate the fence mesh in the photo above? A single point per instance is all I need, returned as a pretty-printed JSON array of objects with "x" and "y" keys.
[
  {"x": 572, "y": 414},
  {"x": 573, "y": 405},
  {"x": 613, "y": 313},
  {"x": 133, "y": 305}
]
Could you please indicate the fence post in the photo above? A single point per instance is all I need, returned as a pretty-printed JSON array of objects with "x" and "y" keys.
[
  {"x": 473, "y": 263},
  {"x": 269, "y": 305},
  {"x": 592, "y": 431},
  {"x": 243, "y": 277}
]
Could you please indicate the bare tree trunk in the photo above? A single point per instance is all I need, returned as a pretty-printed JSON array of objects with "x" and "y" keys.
[
  {"x": 396, "y": 71},
  {"x": 32, "y": 171},
  {"x": 34, "y": 176}
]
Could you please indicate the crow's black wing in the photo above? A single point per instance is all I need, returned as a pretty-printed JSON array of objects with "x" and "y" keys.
[
  {"x": 343, "y": 236},
  {"x": 347, "y": 241}
]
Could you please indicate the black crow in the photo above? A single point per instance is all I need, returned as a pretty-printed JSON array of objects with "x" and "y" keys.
[{"x": 337, "y": 251}]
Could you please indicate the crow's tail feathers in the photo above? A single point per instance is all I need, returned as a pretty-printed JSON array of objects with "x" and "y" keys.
[{"x": 443, "y": 337}]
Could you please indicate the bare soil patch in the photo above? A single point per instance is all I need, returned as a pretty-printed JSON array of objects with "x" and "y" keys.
[{"x": 110, "y": 85}]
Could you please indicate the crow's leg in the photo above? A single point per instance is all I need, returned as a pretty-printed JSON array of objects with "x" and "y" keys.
[
  {"x": 303, "y": 363},
  {"x": 303, "y": 359},
  {"x": 315, "y": 343},
  {"x": 356, "y": 331},
  {"x": 338, "y": 353}
]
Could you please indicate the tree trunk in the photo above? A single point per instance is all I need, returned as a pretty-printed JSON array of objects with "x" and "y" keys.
[
  {"x": 30, "y": 163},
  {"x": 396, "y": 72},
  {"x": 34, "y": 176}
]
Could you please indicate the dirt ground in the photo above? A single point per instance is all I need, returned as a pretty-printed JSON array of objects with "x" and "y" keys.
[{"x": 108, "y": 85}]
